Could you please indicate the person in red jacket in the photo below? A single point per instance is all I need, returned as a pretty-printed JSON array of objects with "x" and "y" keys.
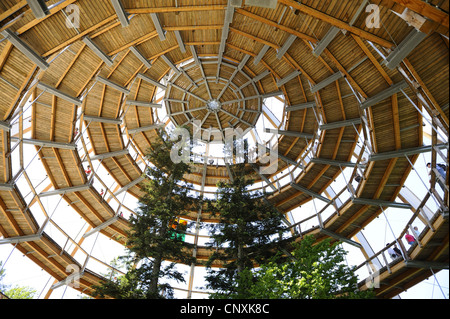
[{"x": 410, "y": 238}]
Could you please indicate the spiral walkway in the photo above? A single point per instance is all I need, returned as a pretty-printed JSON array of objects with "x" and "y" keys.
[{"x": 93, "y": 91}]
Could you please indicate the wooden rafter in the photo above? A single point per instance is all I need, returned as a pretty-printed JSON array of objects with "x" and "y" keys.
[
  {"x": 276, "y": 25},
  {"x": 11, "y": 220},
  {"x": 427, "y": 10},
  {"x": 176, "y": 9},
  {"x": 16, "y": 7},
  {"x": 427, "y": 92},
  {"x": 336, "y": 22},
  {"x": 372, "y": 58},
  {"x": 5, "y": 53}
]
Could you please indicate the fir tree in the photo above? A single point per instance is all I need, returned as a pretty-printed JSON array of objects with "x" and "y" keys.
[
  {"x": 152, "y": 248},
  {"x": 247, "y": 234}
]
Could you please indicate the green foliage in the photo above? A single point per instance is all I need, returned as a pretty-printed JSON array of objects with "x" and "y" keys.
[
  {"x": 315, "y": 271},
  {"x": 2, "y": 275},
  {"x": 150, "y": 241},
  {"x": 137, "y": 283},
  {"x": 16, "y": 292},
  {"x": 21, "y": 293}
]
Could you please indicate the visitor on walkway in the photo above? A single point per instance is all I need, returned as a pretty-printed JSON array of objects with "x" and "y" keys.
[
  {"x": 410, "y": 238},
  {"x": 393, "y": 252},
  {"x": 397, "y": 251},
  {"x": 416, "y": 231},
  {"x": 441, "y": 168}
]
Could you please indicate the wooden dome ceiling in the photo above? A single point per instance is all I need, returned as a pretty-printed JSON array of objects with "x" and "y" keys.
[
  {"x": 346, "y": 87},
  {"x": 214, "y": 63}
]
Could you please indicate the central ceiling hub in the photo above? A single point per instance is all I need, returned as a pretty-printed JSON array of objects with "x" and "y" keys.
[
  {"x": 213, "y": 105},
  {"x": 230, "y": 100}
]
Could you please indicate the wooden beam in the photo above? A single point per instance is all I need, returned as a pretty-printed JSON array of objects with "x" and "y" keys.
[
  {"x": 19, "y": 5},
  {"x": 336, "y": 22},
  {"x": 124, "y": 172},
  {"x": 352, "y": 219},
  {"x": 33, "y": 22},
  {"x": 347, "y": 75},
  {"x": 176, "y": 9},
  {"x": 341, "y": 103},
  {"x": 61, "y": 166},
  {"x": 396, "y": 120},
  {"x": 427, "y": 10},
  {"x": 338, "y": 142},
  {"x": 252, "y": 37},
  {"x": 5, "y": 53},
  {"x": 12, "y": 221},
  {"x": 276, "y": 25},
  {"x": 78, "y": 36},
  {"x": 44, "y": 254},
  {"x": 427, "y": 92},
  {"x": 90, "y": 208},
  {"x": 385, "y": 177},
  {"x": 372, "y": 58},
  {"x": 75, "y": 250}
]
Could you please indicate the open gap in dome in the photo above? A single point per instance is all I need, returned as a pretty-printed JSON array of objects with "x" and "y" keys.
[
  {"x": 38, "y": 214},
  {"x": 281, "y": 179},
  {"x": 274, "y": 120},
  {"x": 182, "y": 64},
  {"x": 306, "y": 215},
  {"x": 230, "y": 61},
  {"x": 25, "y": 188},
  {"x": 276, "y": 107},
  {"x": 26, "y": 120},
  {"x": 159, "y": 95}
]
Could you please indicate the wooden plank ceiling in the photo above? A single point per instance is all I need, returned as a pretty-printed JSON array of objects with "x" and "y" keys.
[{"x": 191, "y": 73}]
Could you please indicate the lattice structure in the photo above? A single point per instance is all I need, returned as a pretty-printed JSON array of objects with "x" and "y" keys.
[{"x": 85, "y": 84}]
